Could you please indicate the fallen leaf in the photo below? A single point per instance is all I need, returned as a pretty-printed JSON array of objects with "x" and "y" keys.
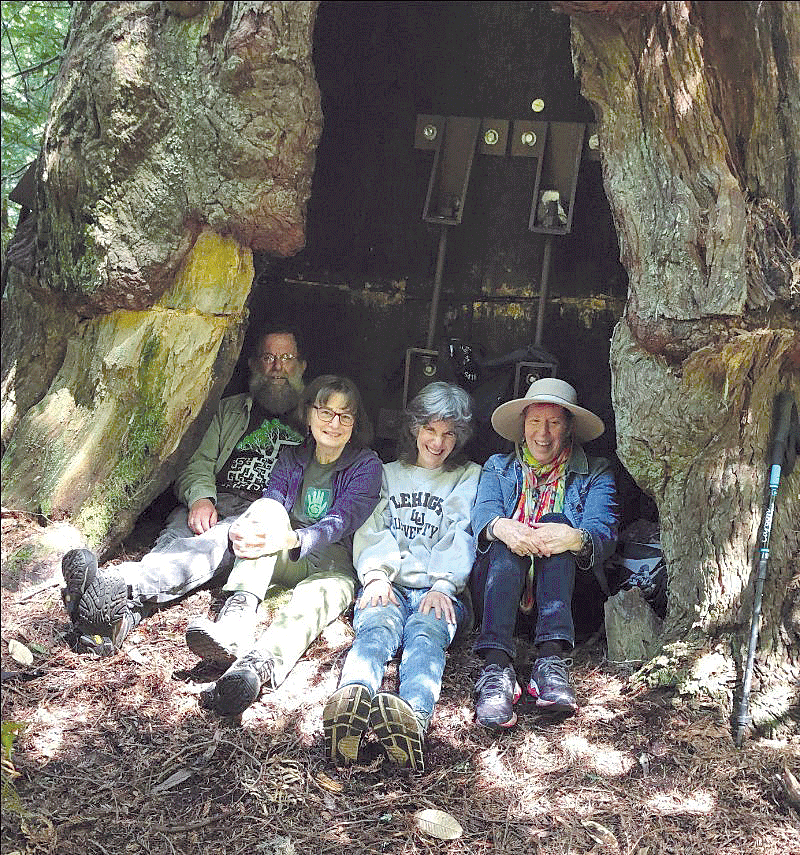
[
  {"x": 136, "y": 656},
  {"x": 174, "y": 779},
  {"x": 600, "y": 834},
  {"x": 20, "y": 653},
  {"x": 38, "y": 648},
  {"x": 38, "y": 829},
  {"x": 792, "y": 787},
  {"x": 329, "y": 784},
  {"x": 438, "y": 824}
]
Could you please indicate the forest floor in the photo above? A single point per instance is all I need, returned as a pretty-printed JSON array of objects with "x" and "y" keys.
[{"x": 116, "y": 756}]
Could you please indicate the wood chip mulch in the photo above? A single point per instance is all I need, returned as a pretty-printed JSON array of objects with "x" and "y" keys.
[{"x": 116, "y": 756}]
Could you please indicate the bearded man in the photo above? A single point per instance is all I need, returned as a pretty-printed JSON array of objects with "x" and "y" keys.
[{"x": 227, "y": 472}]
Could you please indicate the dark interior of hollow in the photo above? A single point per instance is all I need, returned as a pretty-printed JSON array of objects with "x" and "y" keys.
[{"x": 361, "y": 289}]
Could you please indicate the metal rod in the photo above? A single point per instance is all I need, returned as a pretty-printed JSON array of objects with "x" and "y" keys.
[
  {"x": 437, "y": 287},
  {"x": 548, "y": 244}
]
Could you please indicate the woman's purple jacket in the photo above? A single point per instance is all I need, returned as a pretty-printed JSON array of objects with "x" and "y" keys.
[{"x": 356, "y": 490}]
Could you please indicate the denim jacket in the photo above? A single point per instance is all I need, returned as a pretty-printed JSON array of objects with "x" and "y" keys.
[{"x": 590, "y": 499}]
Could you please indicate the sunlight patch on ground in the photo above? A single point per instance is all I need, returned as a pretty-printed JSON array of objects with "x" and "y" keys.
[
  {"x": 49, "y": 727},
  {"x": 534, "y": 752},
  {"x": 300, "y": 698},
  {"x": 670, "y": 804},
  {"x": 598, "y": 712},
  {"x": 602, "y": 698},
  {"x": 493, "y": 761},
  {"x": 602, "y": 759}
]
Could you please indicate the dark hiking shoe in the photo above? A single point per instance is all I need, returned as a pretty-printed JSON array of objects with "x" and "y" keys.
[
  {"x": 550, "y": 686},
  {"x": 241, "y": 684},
  {"x": 232, "y": 633},
  {"x": 399, "y": 730},
  {"x": 79, "y": 568},
  {"x": 496, "y": 692},
  {"x": 345, "y": 719},
  {"x": 97, "y": 603},
  {"x": 105, "y": 642}
]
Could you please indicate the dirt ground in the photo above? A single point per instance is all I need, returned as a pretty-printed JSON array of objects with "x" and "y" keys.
[{"x": 116, "y": 756}]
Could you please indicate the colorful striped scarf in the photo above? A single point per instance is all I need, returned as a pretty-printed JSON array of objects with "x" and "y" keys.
[{"x": 543, "y": 489}]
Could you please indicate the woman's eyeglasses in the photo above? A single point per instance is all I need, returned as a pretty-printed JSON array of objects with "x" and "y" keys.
[{"x": 325, "y": 414}]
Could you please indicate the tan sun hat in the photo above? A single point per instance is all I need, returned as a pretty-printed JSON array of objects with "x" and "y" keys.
[{"x": 508, "y": 419}]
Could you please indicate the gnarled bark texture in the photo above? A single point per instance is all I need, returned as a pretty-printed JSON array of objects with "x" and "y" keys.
[
  {"x": 181, "y": 138},
  {"x": 698, "y": 107}
]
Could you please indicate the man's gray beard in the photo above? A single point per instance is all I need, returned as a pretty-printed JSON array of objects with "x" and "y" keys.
[{"x": 276, "y": 398}]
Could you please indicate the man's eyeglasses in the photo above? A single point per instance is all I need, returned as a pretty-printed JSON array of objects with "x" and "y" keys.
[
  {"x": 327, "y": 415},
  {"x": 269, "y": 358}
]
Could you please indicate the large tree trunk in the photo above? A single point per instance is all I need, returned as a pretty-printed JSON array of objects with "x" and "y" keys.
[
  {"x": 181, "y": 137},
  {"x": 698, "y": 107}
]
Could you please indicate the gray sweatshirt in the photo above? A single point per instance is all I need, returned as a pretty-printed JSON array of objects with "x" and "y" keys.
[{"x": 419, "y": 534}]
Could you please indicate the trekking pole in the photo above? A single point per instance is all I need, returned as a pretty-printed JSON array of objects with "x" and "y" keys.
[{"x": 784, "y": 452}]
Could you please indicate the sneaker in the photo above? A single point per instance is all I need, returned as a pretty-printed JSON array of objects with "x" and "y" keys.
[
  {"x": 550, "y": 686},
  {"x": 97, "y": 603},
  {"x": 233, "y": 632},
  {"x": 399, "y": 730},
  {"x": 345, "y": 719},
  {"x": 496, "y": 692},
  {"x": 241, "y": 684}
]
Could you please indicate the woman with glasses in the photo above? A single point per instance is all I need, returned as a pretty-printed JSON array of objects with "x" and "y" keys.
[
  {"x": 300, "y": 536},
  {"x": 413, "y": 557}
]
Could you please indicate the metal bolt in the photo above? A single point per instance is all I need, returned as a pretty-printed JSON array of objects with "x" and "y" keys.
[
  {"x": 430, "y": 132},
  {"x": 537, "y": 105},
  {"x": 528, "y": 138},
  {"x": 491, "y": 137}
]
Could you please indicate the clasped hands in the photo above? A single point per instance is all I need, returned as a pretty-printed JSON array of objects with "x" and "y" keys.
[
  {"x": 538, "y": 540},
  {"x": 263, "y": 529},
  {"x": 379, "y": 592}
]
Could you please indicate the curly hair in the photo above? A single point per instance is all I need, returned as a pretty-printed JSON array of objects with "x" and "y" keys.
[
  {"x": 437, "y": 402},
  {"x": 319, "y": 392}
]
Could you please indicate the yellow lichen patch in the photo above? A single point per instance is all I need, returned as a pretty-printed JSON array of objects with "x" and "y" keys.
[
  {"x": 130, "y": 385},
  {"x": 724, "y": 367},
  {"x": 215, "y": 278},
  {"x": 508, "y": 311},
  {"x": 587, "y": 309}
]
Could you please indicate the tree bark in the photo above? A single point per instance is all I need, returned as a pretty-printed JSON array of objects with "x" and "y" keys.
[
  {"x": 181, "y": 137},
  {"x": 698, "y": 107}
]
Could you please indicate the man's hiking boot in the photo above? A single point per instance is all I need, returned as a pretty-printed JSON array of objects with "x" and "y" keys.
[
  {"x": 232, "y": 633},
  {"x": 345, "y": 718},
  {"x": 107, "y": 641},
  {"x": 550, "y": 686},
  {"x": 79, "y": 568},
  {"x": 241, "y": 684},
  {"x": 496, "y": 692},
  {"x": 97, "y": 603},
  {"x": 399, "y": 730}
]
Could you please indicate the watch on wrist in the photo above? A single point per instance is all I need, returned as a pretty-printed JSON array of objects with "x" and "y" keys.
[{"x": 586, "y": 539}]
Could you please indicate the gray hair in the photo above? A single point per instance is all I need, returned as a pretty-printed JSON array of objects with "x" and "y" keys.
[{"x": 437, "y": 402}]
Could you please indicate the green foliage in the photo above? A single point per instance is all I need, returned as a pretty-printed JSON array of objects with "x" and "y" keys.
[
  {"x": 9, "y": 798},
  {"x": 33, "y": 37}
]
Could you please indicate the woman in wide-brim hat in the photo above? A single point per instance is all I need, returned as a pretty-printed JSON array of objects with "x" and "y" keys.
[{"x": 540, "y": 512}]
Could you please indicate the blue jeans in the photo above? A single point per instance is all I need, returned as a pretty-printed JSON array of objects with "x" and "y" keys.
[
  {"x": 381, "y": 630},
  {"x": 498, "y": 579}
]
